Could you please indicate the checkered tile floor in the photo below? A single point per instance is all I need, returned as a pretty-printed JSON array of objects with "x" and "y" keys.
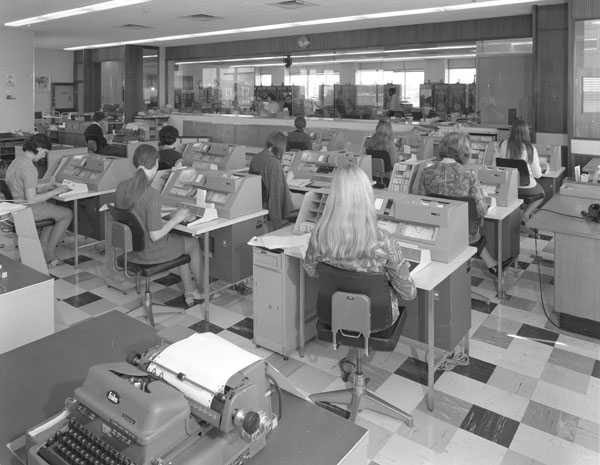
[{"x": 531, "y": 394}]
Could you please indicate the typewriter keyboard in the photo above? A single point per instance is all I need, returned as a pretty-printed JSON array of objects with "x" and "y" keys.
[{"x": 76, "y": 445}]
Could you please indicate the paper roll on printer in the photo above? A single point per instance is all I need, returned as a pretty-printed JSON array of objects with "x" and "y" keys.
[{"x": 198, "y": 400}]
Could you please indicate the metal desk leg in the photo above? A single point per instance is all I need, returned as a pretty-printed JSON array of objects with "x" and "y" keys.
[
  {"x": 301, "y": 309},
  {"x": 76, "y": 232},
  {"x": 500, "y": 279},
  {"x": 429, "y": 299},
  {"x": 206, "y": 277}
]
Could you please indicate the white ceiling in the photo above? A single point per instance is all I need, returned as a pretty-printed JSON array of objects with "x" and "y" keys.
[{"x": 165, "y": 18}]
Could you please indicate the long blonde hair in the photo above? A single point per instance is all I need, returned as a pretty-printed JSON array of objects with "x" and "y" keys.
[{"x": 347, "y": 228}]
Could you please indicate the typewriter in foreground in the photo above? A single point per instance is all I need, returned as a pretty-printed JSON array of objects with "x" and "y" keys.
[{"x": 201, "y": 400}]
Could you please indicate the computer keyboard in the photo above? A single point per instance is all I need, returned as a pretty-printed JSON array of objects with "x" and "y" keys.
[{"x": 76, "y": 445}]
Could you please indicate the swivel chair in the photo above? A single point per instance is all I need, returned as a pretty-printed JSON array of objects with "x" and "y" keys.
[
  {"x": 10, "y": 225},
  {"x": 480, "y": 244},
  {"x": 379, "y": 158},
  {"x": 128, "y": 236},
  {"x": 354, "y": 309},
  {"x": 521, "y": 166},
  {"x": 290, "y": 218},
  {"x": 92, "y": 146},
  {"x": 296, "y": 146}
]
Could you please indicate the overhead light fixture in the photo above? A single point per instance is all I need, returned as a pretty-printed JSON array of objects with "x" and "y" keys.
[
  {"x": 74, "y": 12},
  {"x": 316, "y": 22}
]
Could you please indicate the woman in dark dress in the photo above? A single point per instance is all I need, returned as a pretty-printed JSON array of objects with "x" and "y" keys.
[{"x": 137, "y": 195}]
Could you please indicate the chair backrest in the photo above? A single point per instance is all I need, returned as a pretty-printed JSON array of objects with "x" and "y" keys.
[
  {"x": 382, "y": 154},
  {"x": 92, "y": 146},
  {"x": 375, "y": 286},
  {"x": 473, "y": 224},
  {"x": 264, "y": 191},
  {"x": 5, "y": 189},
  {"x": 297, "y": 145},
  {"x": 520, "y": 165},
  {"x": 131, "y": 220},
  {"x": 377, "y": 169}
]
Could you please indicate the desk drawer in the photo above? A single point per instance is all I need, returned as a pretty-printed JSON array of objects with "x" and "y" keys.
[{"x": 268, "y": 258}]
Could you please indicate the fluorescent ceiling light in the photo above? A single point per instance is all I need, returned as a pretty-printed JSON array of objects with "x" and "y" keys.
[
  {"x": 327, "y": 54},
  {"x": 75, "y": 11},
  {"x": 341, "y": 19},
  {"x": 364, "y": 60}
]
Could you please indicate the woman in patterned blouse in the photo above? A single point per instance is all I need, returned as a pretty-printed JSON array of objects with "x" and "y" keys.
[
  {"x": 347, "y": 236},
  {"x": 450, "y": 177}
]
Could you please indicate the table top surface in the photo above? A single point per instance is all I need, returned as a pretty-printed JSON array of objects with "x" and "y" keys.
[
  {"x": 219, "y": 223},
  {"x": 44, "y": 373},
  {"x": 426, "y": 279},
  {"x": 499, "y": 213},
  {"x": 19, "y": 275},
  {"x": 562, "y": 214}
]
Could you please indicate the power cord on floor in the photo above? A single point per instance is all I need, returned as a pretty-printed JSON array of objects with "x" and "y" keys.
[
  {"x": 539, "y": 259},
  {"x": 453, "y": 360}
]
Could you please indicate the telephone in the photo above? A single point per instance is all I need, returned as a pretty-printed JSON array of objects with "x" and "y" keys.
[{"x": 593, "y": 212}]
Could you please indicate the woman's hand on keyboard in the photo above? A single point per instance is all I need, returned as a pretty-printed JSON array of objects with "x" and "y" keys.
[{"x": 181, "y": 214}]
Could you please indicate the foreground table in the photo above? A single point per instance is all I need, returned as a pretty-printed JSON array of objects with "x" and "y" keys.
[{"x": 40, "y": 375}]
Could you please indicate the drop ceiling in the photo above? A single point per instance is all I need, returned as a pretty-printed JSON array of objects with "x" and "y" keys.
[{"x": 166, "y": 18}]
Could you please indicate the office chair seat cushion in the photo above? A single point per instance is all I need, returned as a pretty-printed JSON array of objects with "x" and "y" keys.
[
  {"x": 154, "y": 268},
  {"x": 480, "y": 244},
  {"x": 38, "y": 223},
  {"x": 531, "y": 194},
  {"x": 385, "y": 340}
]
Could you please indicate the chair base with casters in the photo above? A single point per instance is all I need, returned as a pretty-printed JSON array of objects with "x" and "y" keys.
[
  {"x": 147, "y": 271},
  {"x": 358, "y": 397},
  {"x": 354, "y": 309},
  {"x": 128, "y": 236}
]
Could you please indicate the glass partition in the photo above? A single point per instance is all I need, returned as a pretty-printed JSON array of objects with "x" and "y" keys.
[
  {"x": 150, "y": 55},
  {"x": 586, "y": 104},
  {"x": 433, "y": 81}
]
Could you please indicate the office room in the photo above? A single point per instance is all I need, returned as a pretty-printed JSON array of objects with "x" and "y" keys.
[{"x": 461, "y": 133}]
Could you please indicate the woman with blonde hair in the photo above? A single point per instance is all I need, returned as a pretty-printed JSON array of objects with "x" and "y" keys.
[
  {"x": 383, "y": 139},
  {"x": 347, "y": 236}
]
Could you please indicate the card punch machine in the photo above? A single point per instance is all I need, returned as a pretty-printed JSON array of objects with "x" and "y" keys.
[{"x": 200, "y": 400}]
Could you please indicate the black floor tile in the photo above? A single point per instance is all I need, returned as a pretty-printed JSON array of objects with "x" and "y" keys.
[
  {"x": 82, "y": 259},
  {"x": 244, "y": 328},
  {"x": 82, "y": 299},
  {"x": 206, "y": 327},
  {"x": 476, "y": 369},
  {"x": 416, "y": 371},
  {"x": 168, "y": 280},
  {"x": 481, "y": 306},
  {"x": 178, "y": 302},
  {"x": 596, "y": 370},
  {"x": 538, "y": 334},
  {"x": 490, "y": 425}
]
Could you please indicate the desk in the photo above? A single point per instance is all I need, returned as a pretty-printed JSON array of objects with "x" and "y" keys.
[
  {"x": 551, "y": 181},
  {"x": 426, "y": 282},
  {"x": 576, "y": 265},
  {"x": 75, "y": 197},
  {"x": 26, "y": 305},
  {"x": 204, "y": 229},
  {"x": 44, "y": 373},
  {"x": 498, "y": 215}
]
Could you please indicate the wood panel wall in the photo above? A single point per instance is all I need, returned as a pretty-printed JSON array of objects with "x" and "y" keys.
[
  {"x": 585, "y": 9},
  {"x": 456, "y": 31},
  {"x": 134, "y": 81},
  {"x": 551, "y": 75}
]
